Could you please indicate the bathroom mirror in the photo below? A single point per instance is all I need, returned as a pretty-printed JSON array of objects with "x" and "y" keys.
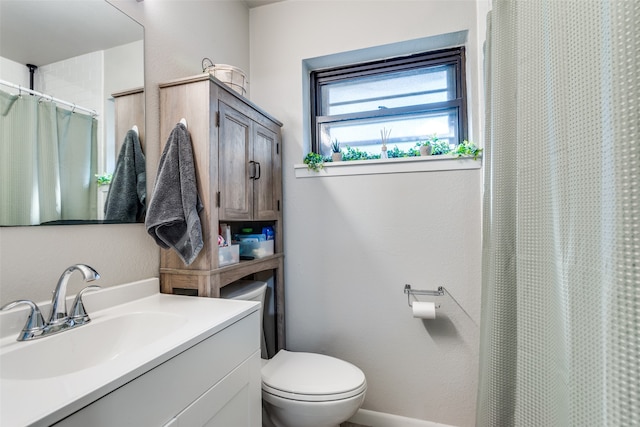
[{"x": 89, "y": 57}]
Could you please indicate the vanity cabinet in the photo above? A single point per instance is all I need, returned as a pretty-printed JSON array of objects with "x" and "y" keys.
[
  {"x": 238, "y": 161},
  {"x": 215, "y": 383}
]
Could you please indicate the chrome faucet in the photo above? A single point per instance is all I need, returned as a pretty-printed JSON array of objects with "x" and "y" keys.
[
  {"x": 59, "y": 320},
  {"x": 58, "y": 303}
]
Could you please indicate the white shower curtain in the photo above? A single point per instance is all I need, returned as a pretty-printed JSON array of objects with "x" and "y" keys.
[
  {"x": 48, "y": 159},
  {"x": 560, "y": 338}
]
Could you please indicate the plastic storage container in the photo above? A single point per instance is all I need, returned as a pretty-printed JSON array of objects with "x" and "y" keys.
[
  {"x": 228, "y": 255},
  {"x": 256, "y": 249}
]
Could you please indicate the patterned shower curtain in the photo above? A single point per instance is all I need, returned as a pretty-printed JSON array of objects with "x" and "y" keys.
[
  {"x": 560, "y": 337},
  {"x": 78, "y": 155},
  {"x": 48, "y": 159}
]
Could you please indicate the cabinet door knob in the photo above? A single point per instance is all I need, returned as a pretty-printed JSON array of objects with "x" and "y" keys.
[
  {"x": 257, "y": 174},
  {"x": 253, "y": 169}
]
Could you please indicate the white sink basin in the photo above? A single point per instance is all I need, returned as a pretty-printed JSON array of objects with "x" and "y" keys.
[
  {"x": 133, "y": 330},
  {"x": 86, "y": 346}
]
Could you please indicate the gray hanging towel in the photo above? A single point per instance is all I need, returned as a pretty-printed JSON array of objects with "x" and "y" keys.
[
  {"x": 172, "y": 216},
  {"x": 126, "y": 200}
]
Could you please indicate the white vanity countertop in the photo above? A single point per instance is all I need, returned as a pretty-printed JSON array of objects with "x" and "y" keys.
[{"x": 44, "y": 400}]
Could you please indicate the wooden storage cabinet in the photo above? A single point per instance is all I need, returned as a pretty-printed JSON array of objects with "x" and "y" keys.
[
  {"x": 237, "y": 151},
  {"x": 249, "y": 167}
]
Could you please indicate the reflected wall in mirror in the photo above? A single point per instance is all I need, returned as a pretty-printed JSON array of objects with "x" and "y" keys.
[{"x": 71, "y": 113}]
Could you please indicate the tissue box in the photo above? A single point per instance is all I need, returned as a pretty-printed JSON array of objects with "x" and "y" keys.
[
  {"x": 228, "y": 255},
  {"x": 256, "y": 249}
]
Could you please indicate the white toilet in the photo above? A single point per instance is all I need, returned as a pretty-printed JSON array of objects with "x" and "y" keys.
[{"x": 302, "y": 389}]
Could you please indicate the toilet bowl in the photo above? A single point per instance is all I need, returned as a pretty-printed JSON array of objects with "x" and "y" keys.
[
  {"x": 311, "y": 390},
  {"x": 303, "y": 389}
]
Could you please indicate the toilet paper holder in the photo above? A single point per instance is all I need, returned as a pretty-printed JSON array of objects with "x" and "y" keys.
[
  {"x": 441, "y": 291},
  {"x": 407, "y": 290}
]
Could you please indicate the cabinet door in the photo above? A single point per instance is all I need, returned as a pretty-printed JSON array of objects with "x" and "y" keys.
[
  {"x": 234, "y": 184},
  {"x": 266, "y": 155},
  {"x": 235, "y": 401}
]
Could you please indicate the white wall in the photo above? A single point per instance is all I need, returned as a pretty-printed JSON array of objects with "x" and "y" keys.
[
  {"x": 13, "y": 72},
  {"x": 178, "y": 34},
  {"x": 78, "y": 79},
  {"x": 122, "y": 65},
  {"x": 353, "y": 242}
]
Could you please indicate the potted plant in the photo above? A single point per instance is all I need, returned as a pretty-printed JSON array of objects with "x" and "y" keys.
[
  {"x": 467, "y": 149},
  {"x": 104, "y": 179},
  {"x": 424, "y": 147},
  {"x": 336, "y": 153},
  {"x": 314, "y": 161}
]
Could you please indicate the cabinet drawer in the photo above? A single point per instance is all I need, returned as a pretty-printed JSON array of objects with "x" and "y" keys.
[{"x": 156, "y": 397}]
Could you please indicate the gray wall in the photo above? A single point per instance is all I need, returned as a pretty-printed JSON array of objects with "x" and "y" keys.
[
  {"x": 178, "y": 34},
  {"x": 352, "y": 242}
]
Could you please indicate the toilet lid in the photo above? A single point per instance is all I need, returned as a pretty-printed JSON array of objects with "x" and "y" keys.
[{"x": 311, "y": 377}]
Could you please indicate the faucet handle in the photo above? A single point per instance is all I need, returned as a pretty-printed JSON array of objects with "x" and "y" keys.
[
  {"x": 77, "y": 313},
  {"x": 35, "y": 323}
]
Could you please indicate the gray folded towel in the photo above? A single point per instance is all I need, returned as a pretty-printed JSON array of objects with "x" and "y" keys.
[
  {"x": 127, "y": 196},
  {"x": 172, "y": 216}
]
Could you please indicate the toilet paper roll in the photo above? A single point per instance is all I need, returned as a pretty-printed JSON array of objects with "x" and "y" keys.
[{"x": 424, "y": 310}]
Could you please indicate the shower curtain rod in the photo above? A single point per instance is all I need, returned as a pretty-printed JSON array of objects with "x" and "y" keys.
[{"x": 49, "y": 97}]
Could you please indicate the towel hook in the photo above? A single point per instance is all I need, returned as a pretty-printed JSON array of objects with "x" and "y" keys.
[{"x": 184, "y": 122}]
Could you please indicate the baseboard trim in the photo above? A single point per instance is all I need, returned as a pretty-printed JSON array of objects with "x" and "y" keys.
[{"x": 381, "y": 419}]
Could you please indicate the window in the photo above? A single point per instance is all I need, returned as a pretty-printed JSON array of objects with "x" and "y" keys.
[{"x": 414, "y": 97}]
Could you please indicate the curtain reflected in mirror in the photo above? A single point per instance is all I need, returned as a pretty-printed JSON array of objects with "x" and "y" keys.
[
  {"x": 48, "y": 174},
  {"x": 69, "y": 104}
]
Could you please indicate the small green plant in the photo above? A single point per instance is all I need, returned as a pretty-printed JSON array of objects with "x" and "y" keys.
[
  {"x": 104, "y": 179},
  {"x": 429, "y": 142},
  {"x": 355, "y": 154},
  {"x": 335, "y": 146},
  {"x": 314, "y": 161},
  {"x": 412, "y": 152},
  {"x": 440, "y": 147},
  {"x": 396, "y": 153},
  {"x": 467, "y": 149}
]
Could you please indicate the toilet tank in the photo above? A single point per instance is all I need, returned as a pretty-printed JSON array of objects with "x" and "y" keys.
[
  {"x": 249, "y": 290},
  {"x": 246, "y": 290}
]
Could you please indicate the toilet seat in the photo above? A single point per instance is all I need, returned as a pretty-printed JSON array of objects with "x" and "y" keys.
[{"x": 311, "y": 377}]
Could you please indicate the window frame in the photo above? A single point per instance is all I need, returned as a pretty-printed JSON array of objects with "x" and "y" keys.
[{"x": 451, "y": 56}]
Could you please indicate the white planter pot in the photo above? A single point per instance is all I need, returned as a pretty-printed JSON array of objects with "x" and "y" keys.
[{"x": 425, "y": 150}]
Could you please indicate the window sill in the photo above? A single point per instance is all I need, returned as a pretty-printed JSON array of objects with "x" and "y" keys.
[{"x": 400, "y": 165}]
